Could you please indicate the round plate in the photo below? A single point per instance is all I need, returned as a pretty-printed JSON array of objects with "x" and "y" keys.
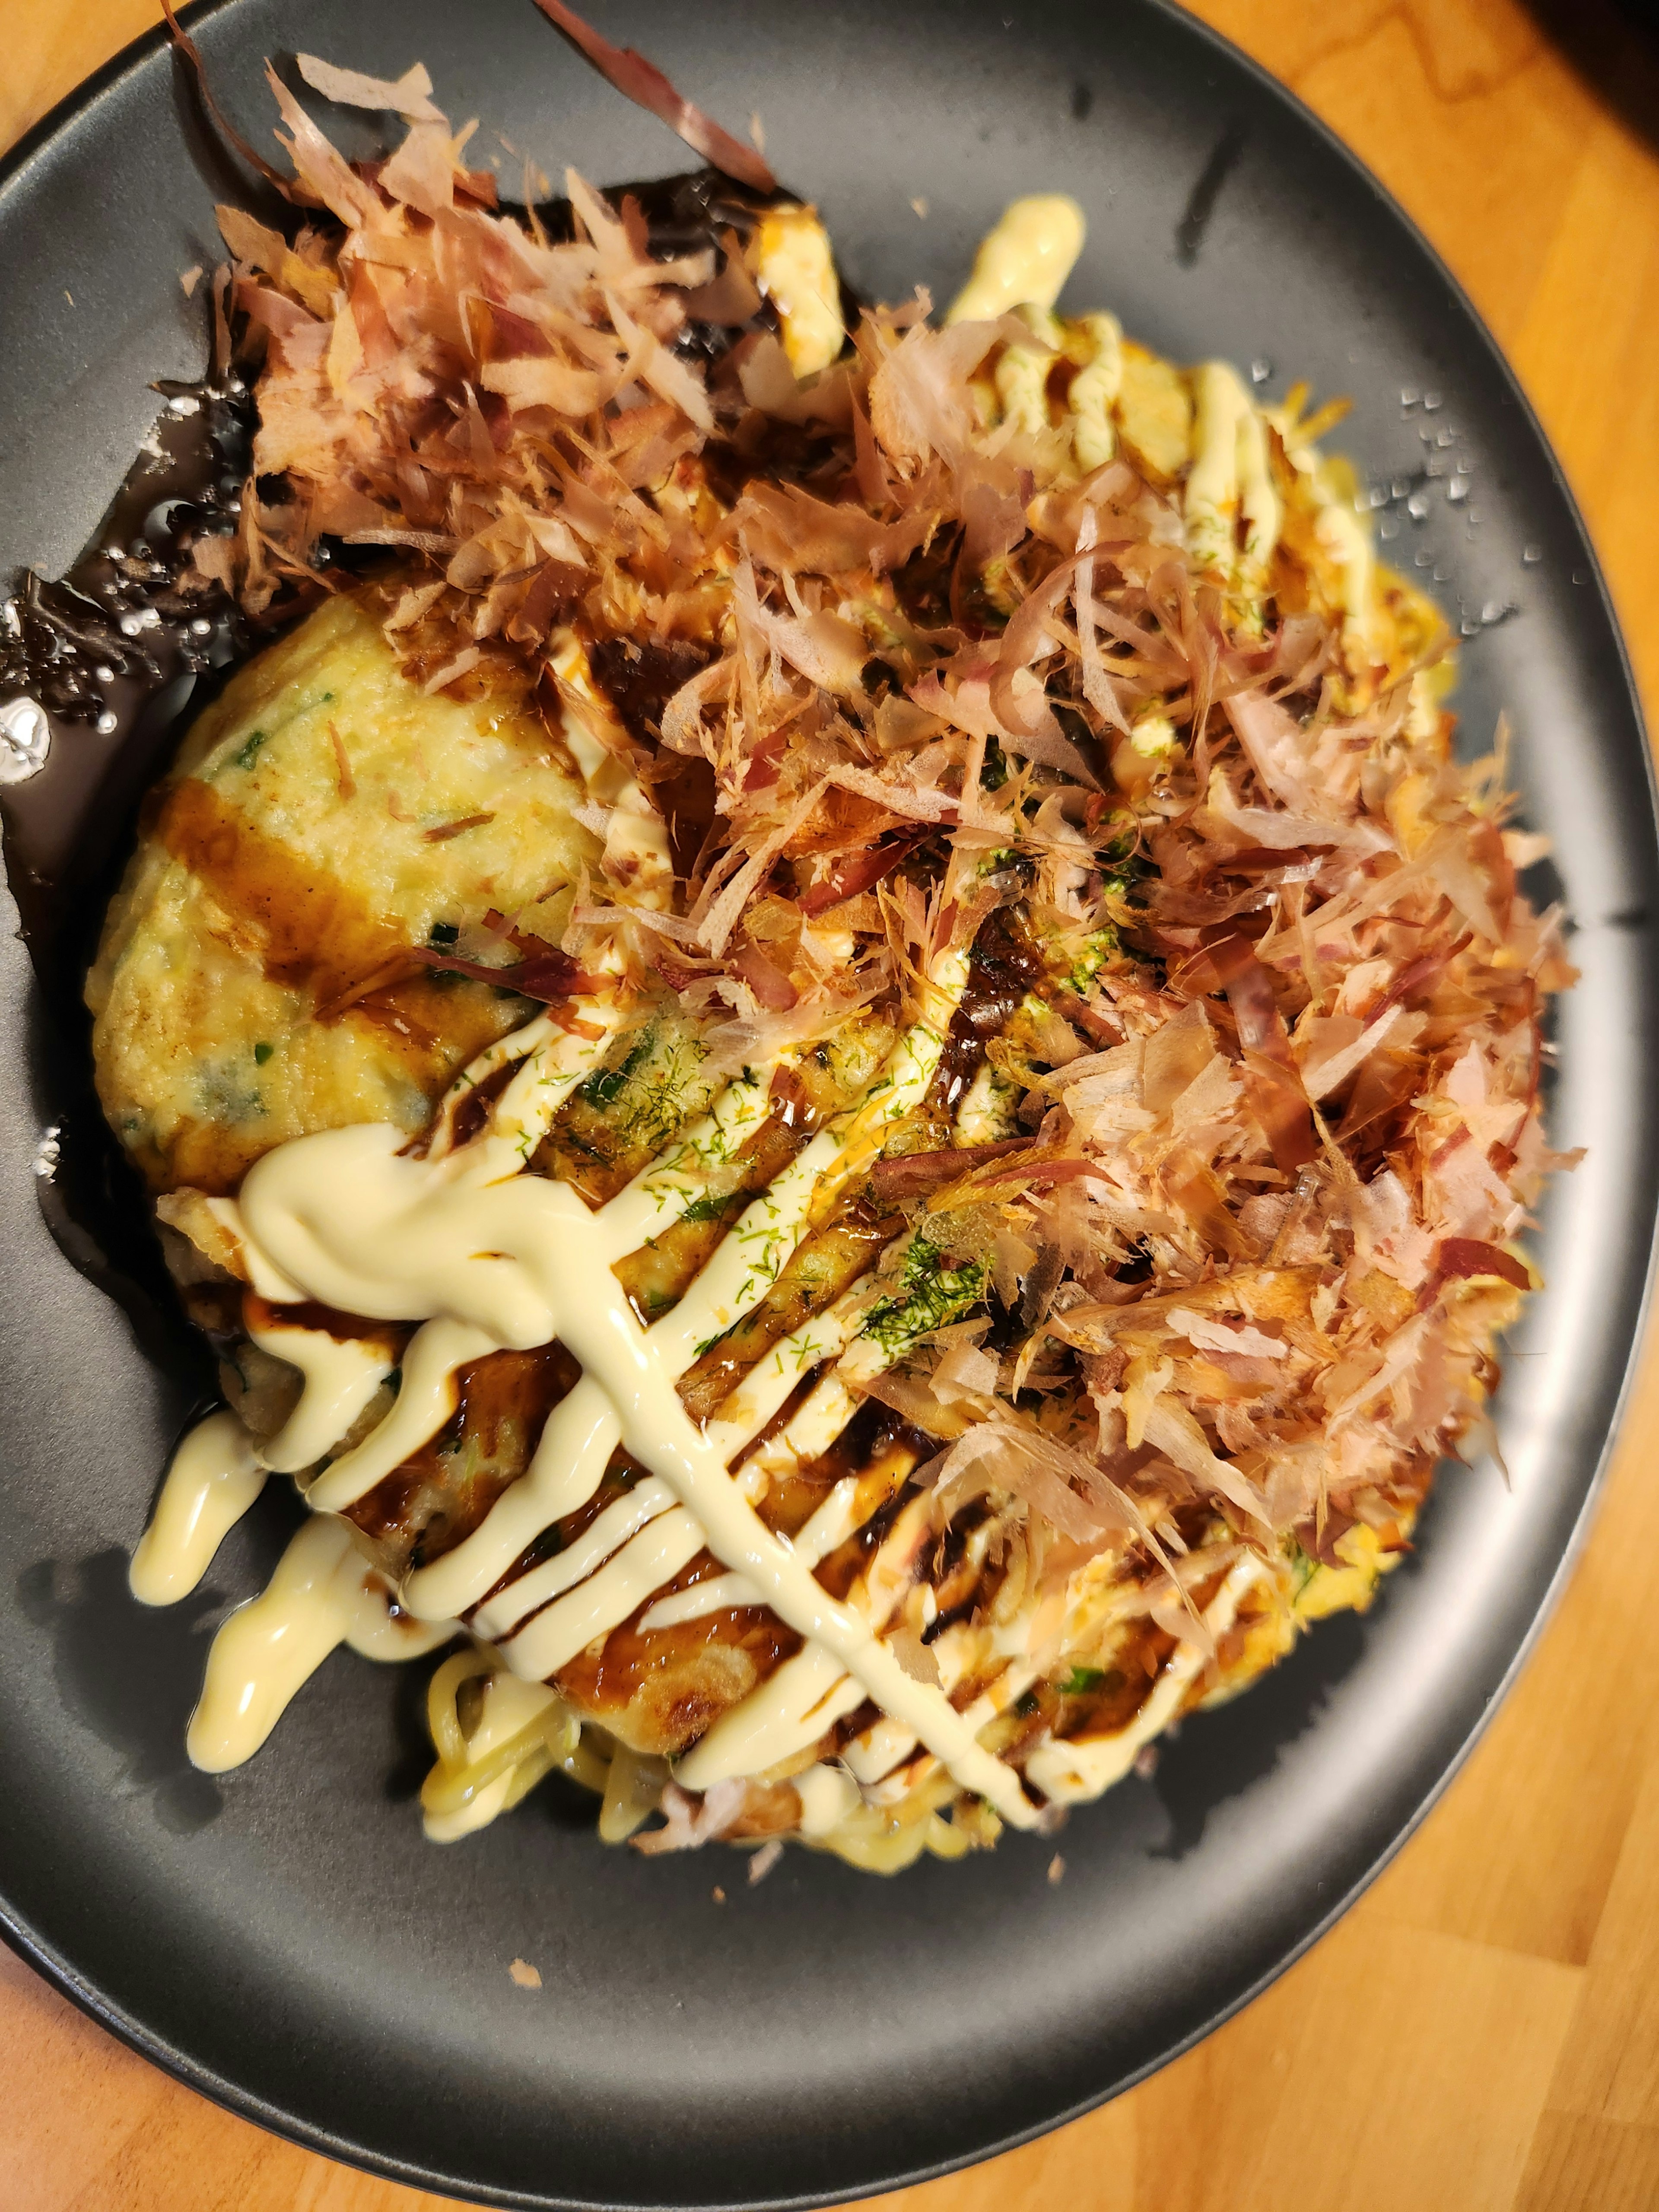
[{"x": 283, "y": 1939}]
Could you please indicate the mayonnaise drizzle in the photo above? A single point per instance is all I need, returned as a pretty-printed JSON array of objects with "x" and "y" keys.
[
  {"x": 1229, "y": 479},
  {"x": 323, "y": 1593},
  {"x": 800, "y": 1698},
  {"x": 1025, "y": 260},
  {"x": 486, "y": 1258},
  {"x": 1071, "y": 1770},
  {"x": 341, "y": 1375},
  {"x": 215, "y": 1477}
]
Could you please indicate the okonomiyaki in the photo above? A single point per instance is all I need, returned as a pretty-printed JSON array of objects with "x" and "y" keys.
[{"x": 832, "y": 1044}]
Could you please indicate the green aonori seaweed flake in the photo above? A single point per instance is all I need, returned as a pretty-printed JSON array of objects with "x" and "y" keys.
[
  {"x": 708, "y": 1207},
  {"x": 605, "y": 1088},
  {"x": 931, "y": 1296}
]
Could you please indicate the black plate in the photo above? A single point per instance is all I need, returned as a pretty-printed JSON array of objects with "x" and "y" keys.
[{"x": 284, "y": 1940}]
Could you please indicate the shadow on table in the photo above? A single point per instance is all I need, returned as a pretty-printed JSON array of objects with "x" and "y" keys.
[{"x": 1613, "y": 46}]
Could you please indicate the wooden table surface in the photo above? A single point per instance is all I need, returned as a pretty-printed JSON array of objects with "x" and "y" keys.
[{"x": 1482, "y": 2032}]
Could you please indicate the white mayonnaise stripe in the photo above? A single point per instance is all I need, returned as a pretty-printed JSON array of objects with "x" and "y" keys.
[
  {"x": 719, "y": 1594},
  {"x": 814, "y": 1428},
  {"x": 903, "y": 1084},
  {"x": 827, "y": 1796},
  {"x": 873, "y": 1756},
  {"x": 793, "y": 1707},
  {"x": 554, "y": 1637},
  {"x": 268, "y": 1281},
  {"x": 769, "y": 1382},
  {"x": 322, "y": 1593},
  {"x": 340, "y": 1376},
  {"x": 554, "y": 1058},
  {"x": 213, "y": 1479},
  {"x": 832, "y": 1524},
  {"x": 518, "y": 1046},
  {"x": 815, "y": 1425},
  {"x": 659, "y": 1194},
  {"x": 1229, "y": 477},
  {"x": 524, "y": 1112},
  {"x": 1094, "y": 391},
  {"x": 581, "y": 1433},
  {"x": 424, "y": 1402},
  {"x": 749, "y": 1261},
  {"x": 790, "y": 1709},
  {"x": 605, "y": 1534},
  {"x": 1070, "y": 1770},
  {"x": 1025, "y": 260},
  {"x": 745, "y": 1412}
]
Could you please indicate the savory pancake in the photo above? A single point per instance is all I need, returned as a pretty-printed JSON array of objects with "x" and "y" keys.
[
  {"x": 327, "y": 823},
  {"x": 977, "y": 1222}
]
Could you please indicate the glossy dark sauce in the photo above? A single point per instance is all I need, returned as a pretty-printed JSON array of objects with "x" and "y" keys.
[
  {"x": 116, "y": 652},
  {"x": 1002, "y": 969}
]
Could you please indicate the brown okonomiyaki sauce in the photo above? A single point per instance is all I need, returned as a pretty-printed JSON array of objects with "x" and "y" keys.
[{"x": 121, "y": 653}]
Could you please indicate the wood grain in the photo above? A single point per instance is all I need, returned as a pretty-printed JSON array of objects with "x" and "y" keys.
[{"x": 1481, "y": 2033}]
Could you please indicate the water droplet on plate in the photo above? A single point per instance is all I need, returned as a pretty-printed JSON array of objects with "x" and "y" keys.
[
  {"x": 1431, "y": 401},
  {"x": 1530, "y": 554}
]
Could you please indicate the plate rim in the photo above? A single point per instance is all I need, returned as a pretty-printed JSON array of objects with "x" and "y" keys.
[{"x": 36, "y": 1952}]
